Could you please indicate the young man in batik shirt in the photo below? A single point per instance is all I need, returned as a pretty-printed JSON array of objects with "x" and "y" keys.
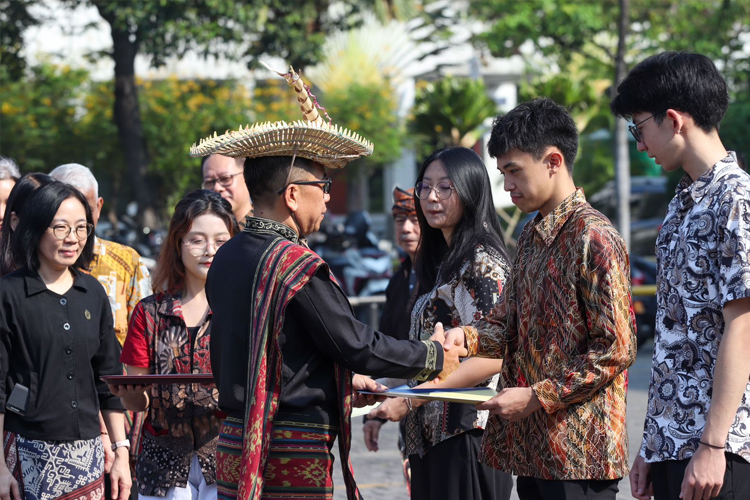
[
  {"x": 565, "y": 325},
  {"x": 696, "y": 442}
]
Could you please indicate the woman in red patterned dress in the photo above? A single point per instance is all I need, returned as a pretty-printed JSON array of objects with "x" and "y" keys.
[{"x": 169, "y": 333}]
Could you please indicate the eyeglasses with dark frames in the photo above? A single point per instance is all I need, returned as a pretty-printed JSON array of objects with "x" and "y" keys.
[
  {"x": 443, "y": 190},
  {"x": 224, "y": 181},
  {"x": 62, "y": 231},
  {"x": 324, "y": 184},
  {"x": 634, "y": 129}
]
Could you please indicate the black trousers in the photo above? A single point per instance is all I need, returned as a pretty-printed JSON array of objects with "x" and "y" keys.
[
  {"x": 531, "y": 488},
  {"x": 451, "y": 471},
  {"x": 667, "y": 479}
]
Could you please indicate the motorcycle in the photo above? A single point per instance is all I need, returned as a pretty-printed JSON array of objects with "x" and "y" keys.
[{"x": 353, "y": 254}]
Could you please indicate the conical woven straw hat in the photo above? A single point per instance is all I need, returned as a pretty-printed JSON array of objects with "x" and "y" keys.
[{"x": 314, "y": 138}]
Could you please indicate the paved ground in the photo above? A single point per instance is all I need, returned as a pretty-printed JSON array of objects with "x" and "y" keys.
[{"x": 379, "y": 475}]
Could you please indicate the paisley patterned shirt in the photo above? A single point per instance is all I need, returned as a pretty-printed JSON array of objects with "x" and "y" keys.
[
  {"x": 703, "y": 262},
  {"x": 464, "y": 298},
  {"x": 182, "y": 418},
  {"x": 565, "y": 327}
]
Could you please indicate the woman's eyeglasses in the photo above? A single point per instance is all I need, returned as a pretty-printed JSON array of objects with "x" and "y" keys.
[
  {"x": 62, "y": 231},
  {"x": 199, "y": 246},
  {"x": 443, "y": 190}
]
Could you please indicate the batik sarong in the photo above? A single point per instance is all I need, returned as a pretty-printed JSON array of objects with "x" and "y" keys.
[
  {"x": 62, "y": 470},
  {"x": 299, "y": 465},
  {"x": 10, "y": 447}
]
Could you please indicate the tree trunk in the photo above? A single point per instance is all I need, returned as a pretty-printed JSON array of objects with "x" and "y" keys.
[
  {"x": 622, "y": 155},
  {"x": 357, "y": 190},
  {"x": 127, "y": 118}
]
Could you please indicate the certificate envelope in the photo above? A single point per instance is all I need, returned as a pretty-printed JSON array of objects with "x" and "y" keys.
[{"x": 469, "y": 395}]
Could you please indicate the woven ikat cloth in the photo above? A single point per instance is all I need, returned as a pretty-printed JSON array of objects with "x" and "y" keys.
[{"x": 703, "y": 262}]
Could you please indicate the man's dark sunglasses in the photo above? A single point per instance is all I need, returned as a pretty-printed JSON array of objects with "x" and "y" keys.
[
  {"x": 634, "y": 129},
  {"x": 326, "y": 185}
]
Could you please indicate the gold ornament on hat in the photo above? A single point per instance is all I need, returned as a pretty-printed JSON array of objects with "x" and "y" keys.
[{"x": 314, "y": 138}]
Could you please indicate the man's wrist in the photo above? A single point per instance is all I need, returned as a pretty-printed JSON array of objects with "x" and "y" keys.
[
  {"x": 534, "y": 401},
  {"x": 705, "y": 444}
]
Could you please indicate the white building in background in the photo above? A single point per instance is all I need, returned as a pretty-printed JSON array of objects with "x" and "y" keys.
[{"x": 70, "y": 35}]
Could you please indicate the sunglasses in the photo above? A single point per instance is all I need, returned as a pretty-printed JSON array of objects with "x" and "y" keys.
[
  {"x": 324, "y": 184},
  {"x": 634, "y": 129}
]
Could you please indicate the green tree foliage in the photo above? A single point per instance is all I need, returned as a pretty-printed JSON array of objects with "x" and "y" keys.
[
  {"x": 40, "y": 116},
  {"x": 450, "y": 112},
  {"x": 369, "y": 110},
  {"x": 14, "y": 19},
  {"x": 58, "y": 115},
  {"x": 577, "y": 42},
  {"x": 734, "y": 129},
  {"x": 560, "y": 29}
]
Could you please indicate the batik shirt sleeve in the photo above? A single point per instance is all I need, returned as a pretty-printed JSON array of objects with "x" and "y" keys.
[
  {"x": 610, "y": 321},
  {"x": 734, "y": 245},
  {"x": 139, "y": 286}
]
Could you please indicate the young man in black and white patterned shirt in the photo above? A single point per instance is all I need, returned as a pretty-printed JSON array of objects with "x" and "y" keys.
[{"x": 696, "y": 442}]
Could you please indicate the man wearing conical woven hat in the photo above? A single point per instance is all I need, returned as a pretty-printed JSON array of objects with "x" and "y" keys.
[{"x": 284, "y": 342}]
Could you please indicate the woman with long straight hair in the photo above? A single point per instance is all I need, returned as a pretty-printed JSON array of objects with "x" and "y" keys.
[
  {"x": 56, "y": 341},
  {"x": 26, "y": 185},
  {"x": 169, "y": 333},
  {"x": 461, "y": 267}
]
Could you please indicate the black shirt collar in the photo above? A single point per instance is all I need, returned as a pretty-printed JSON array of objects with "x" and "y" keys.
[
  {"x": 261, "y": 225},
  {"x": 35, "y": 284}
]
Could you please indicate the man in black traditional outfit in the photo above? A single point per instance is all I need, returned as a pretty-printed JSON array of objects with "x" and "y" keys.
[{"x": 284, "y": 340}]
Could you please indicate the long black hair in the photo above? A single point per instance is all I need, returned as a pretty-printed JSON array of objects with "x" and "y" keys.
[
  {"x": 26, "y": 185},
  {"x": 479, "y": 223},
  {"x": 38, "y": 212}
]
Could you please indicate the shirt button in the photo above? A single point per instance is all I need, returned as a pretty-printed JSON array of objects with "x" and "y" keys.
[
  {"x": 63, "y": 301},
  {"x": 66, "y": 326},
  {"x": 68, "y": 350},
  {"x": 70, "y": 375},
  {"x": 73, "y": 404}
]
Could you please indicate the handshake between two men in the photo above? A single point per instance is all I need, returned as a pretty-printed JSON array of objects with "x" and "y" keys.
[
  {"x": 510, "y": 403},
  {"x": 454, "y": 348}
]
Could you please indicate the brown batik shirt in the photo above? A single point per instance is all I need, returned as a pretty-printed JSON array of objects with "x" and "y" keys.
[{"x": 565, "y": 327}]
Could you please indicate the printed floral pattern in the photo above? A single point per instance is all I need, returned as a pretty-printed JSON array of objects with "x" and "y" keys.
[
  {"x": 703, "y": 259},
  {"x": 464, "y": 298},
  {"x": 182, "y": 418},
  {"x": 565, "y": 327}
]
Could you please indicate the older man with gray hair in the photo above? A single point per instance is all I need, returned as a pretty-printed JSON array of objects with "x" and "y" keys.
[
  {"x": 9, "y": 174},
  {"x": 119, "y": 268}
]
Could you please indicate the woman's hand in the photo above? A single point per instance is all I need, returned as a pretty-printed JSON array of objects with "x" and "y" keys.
[
  {"x": 120, "y": 475},
  {"x": 8, "y": 485},
  {"x": 133, "y": 397}
]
